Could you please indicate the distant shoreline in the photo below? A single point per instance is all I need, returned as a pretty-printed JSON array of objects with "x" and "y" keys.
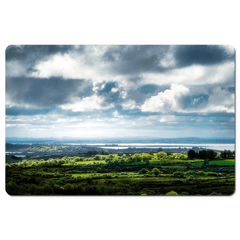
[{"x": 19, "y": 149}]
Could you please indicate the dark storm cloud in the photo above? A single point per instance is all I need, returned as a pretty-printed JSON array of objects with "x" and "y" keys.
[
  {"x": 30, "y": 55},
  {"x": 86, "y": 91},
  {"x": 135, "y": 59},
  {"x": 104, "y": 89},
  {"x": 128, "y": 59},
  {"x": 34, "y": 52},
  {"x": 193, "y": 102},
  {"x": 152, "y": 89},
  {"x": 42, "y": 92},
  {"x": 139, "y": 59},
  {"x": 16, "y": 111},
  {"x": 144, "y": 92},
  {"x": 201, "y": 54},
  {"x": 138, "y": 96}
]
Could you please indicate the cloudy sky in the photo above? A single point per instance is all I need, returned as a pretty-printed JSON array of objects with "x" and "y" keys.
[{"x": 120, "y": 91}]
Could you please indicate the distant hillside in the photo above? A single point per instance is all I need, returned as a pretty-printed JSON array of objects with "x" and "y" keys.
[{"x": 119, "y": 140}]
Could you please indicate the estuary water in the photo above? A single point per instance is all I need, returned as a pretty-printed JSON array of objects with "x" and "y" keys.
[{"x": 213, "y": 146}]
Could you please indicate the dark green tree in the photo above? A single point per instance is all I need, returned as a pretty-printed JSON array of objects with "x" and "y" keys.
[
  {"x": 191, "y": 154},
  {"x": 97, "y": 157},
  {"x": 202, "y": 154},
  {"x": 211, "y": 154},
  {"x": 226, "y": 154},
  {"x": 105, "y": 152},
  {"x": 150, "y": 152}
]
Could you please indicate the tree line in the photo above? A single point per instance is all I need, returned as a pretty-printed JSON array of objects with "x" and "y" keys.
[{"x": 210, "y": 154}]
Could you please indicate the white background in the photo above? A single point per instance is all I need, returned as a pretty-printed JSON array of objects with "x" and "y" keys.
[{"x": 118, "y": 22}]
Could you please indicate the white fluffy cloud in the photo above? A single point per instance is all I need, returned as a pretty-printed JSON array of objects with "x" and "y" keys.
[
  {"x": 130, "y": 104},
  {"x": 166, "y": 101},
  {"x": 168, "y": 119},
  {"x": 91, "y": 103},
  {"x": 114, "y": 90},
  {"x": 195, "y": 75},
  {"x": 220, "y": 101},
  {"x": 74, "y": 65},
  {"x": 65, "y": 66}
]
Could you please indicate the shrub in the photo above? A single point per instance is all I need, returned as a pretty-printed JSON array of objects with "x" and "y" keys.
[
  {"x": 172, "y": 193},
  {"x": 212, "y": 174},
  {"x": 214, "y": 193},
  {"x": 184, "y": 193},
  {"x": 146, "y": 156},
  {"x": 161, "y": 155},
  {"x": 183, "y": 157},
  {"x": 155, "y": 171},
  {"x": 190, "y": 172},
  {"x": 137, "y": 157},
  {"x": 110, "y": 156},
  {"x": 147, "y": 191},
  {"x": 143, "y": 171},
  {"x": 171, "y": 157},
  {"x": 147, "y": 175},
  {"x": 190, "y": 178},
  {"x": 34, "y": 164},
  {"x": 99, "y": 170},
  {"x": 77, "y": 159},
  {"x": 23, "y": 164},
  {"x": 178, "y": 174},
  {"x": 201, "y": 173},
  {"x": 7, "y": 165}
]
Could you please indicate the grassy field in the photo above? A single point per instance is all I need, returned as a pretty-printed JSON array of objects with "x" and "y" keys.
[
  {"x": 45, "y": 148},
  {"x": 87, "y": 162},
  {"x": 226, "y": 162},
  {"x": 75, "y": 175}
]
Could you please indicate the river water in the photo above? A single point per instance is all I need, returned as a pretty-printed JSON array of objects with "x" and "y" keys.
[{"x": 214, "y": 146}]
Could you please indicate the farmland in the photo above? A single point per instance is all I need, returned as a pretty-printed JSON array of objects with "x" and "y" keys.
[{"x": 125, "y": 174}]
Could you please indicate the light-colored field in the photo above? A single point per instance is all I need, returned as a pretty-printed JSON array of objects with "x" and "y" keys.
[{"x": 87, "y": 162}]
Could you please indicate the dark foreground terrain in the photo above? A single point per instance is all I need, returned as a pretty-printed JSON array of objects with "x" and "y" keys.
[{"x": 157, "y": 173}]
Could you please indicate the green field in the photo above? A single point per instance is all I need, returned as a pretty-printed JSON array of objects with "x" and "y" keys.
[
  {"x": 226, "y": 162},
  {"x": 45, "y": 148},
  {"x": 132, "y": 174},
  {"x": 87, "y": 162}
]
